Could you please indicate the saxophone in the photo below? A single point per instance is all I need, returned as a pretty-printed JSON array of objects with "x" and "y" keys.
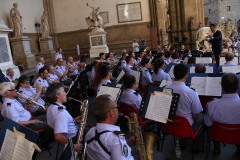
[
  {"x": 82, "y": 125},
  {"x": 136, "y": 129}
]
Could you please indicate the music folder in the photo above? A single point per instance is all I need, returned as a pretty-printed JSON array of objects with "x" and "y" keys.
[
  {"x": 113, "y": 91},
  {"x": 160, "y": 104}
]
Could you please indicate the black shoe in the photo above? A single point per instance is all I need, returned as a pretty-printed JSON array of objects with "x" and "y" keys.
[{"x": 216, "y": 151}]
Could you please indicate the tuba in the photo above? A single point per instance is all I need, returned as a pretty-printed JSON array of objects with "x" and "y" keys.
[{"x": 136, "y": 129}]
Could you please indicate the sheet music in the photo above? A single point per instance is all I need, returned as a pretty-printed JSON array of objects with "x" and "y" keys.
[
  {"x": 119, "y": 77},
  {"x": 222, "y": 60},
  {"x": 159, "y": 107},
  {"x": 171, "y": 71},
  {"x": 165, "y": 83},
  {"x": 231, "y": 69},
  {"x": 209, "y": 69},
  {"x": 16, "y": 147},
  {"x": 199, "y": 84},
  {"x": 109, "y": 90},
  {"x": 213, "y": 86},
  {"x": 204, "y": 60},
  {"x": 136, "y": 74},
  {"x": 208, "y": 86}
]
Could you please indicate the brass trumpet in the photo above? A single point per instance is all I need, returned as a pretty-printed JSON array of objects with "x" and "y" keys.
[{"x": 29, "y": 99}]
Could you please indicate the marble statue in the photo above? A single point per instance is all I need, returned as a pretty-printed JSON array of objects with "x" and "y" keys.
[
  {"x": 227, "y": 29},
  {"x": 45, "y": 29},
  {"x": 95, "y": 21},
  {"x": 17, "y": 21}
]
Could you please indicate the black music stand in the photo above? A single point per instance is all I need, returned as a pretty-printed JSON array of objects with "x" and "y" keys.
[{"x": 173, "y": 107}]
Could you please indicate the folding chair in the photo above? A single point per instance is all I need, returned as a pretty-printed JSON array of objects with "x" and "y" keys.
[
  {"x": 182, "y": 129},
  {"x": 224, "y": 133}
]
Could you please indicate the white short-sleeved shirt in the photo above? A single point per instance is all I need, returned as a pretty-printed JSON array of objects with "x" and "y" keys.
[
  {"x": 146, "y": 77},
  {"x": 40, "y": 81},
  {"x": 128, "y": 69},
  {"x": 229, "y": 63},
  {"x": 58, "y": 55},
  {"x": 114, "y": 144},
  {"x": 60, "y": 70},
  {"x": 39, "y": 66},
  {"x": 30, "y": 93},
  {"x": 131, "y": 97},
  {"x": 123, "y": 63},
  {"x": 223, "y": 110},
  {"x": 161, "y": 75},
  {"x": 52, "y": 77},
  {"x": 14, "y": 110},
  {"x": 189, "y": 102},
  {"x": 75, "y": 72},
  {"x": 61, "y": 121},
  {"x": 135, "y": 46}
]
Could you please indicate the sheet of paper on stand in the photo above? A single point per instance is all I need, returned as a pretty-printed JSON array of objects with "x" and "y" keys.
[{"x": 204, "y": 60}]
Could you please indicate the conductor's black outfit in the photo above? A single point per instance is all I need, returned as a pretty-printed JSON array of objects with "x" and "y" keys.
[{"x": 216, "y": 42}]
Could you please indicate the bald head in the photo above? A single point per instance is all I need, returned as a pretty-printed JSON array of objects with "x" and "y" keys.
[
  {"x": 200, "y": 68},
  {"x": 230, "y": 83},
  {"x": 229, "y": 56}
]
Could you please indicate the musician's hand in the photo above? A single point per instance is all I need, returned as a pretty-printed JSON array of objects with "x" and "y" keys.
[
  {"x": 35, "y": 121},
  {"x": 78, "y": 147},
  {"x": 39, "y": 87},
  {"x": 68, "y": 66},
  {"x": 78, "y": 119}
]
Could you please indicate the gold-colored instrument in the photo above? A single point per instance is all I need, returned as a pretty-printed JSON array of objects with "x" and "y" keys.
[
  {"x": 32, "y": 101},
  {"x": 136, "y": 129},
  {"x": 150, "y": 139}
]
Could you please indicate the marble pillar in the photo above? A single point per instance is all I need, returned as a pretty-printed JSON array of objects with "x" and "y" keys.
[
  {"x": 22, "y": 53},
  {"x": 46, "y": 47},
  {"x": 6, "y": 60}
]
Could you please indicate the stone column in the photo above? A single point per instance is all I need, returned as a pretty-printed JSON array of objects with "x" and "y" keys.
[
  {"x": 6, "y": 60},
  {"x": 22, "y": 53}
]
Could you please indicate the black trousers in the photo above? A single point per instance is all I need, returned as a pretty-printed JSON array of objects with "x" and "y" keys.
[{"x": 217, "y": 57}]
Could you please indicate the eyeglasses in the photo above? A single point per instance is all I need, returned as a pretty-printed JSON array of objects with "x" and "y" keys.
[{"x": 12, "y": 89}]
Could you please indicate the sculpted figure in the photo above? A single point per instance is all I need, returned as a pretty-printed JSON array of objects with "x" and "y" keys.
[
  {"x": 95, "y": 20},
  {"x": 44, "y": 21},
  {"x": 17, "y": 20}
]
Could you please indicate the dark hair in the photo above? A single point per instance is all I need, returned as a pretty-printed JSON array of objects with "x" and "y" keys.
[
  {"x": 128, "y": 80},
  {"x": 101, "y": 71},
  {"x": 157, "y": 56},
  {"x": 23, "y": 79},
  {"x": 168, "y": 54},
  {"x": 186, "y": 50},
  {"x": 158, "y": 64},
  {"x": 179, "y": 71},
  {"x": 101, "y": 54},
  {"x": 191, "y": 60},
  {"x": 229, "y": 56},
  {"x": 52, "y": 91},
  {"x": 147, "y": 52},
  {"x": 213, "y": 24},
  {"x": 59, "y": 49},
  {"x": 172, "y": 48},
  {"x": 128, "y": 58},
  {"x": 200, "y": 68},
  {"x": 175, "y": 55},
  {"x": 230, "y": 83},
  {"x": 144, "y": 61},
  {"x": 101, "y": 106},
  {"x": 41, "y": 70}
]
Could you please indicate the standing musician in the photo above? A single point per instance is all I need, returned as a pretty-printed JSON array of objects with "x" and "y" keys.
[
  {"x": 26, "y": 90},
  {"x": 105, "y": 141},
  {"x": 40, "y": 64},
  {"x": 58, "y": 54},
  {"x": 64, "y": 125}
]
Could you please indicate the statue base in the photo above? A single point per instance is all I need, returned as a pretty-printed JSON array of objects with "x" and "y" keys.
[
  {"x": 46, "y": 46},
  {"x": 22, "y": 53},
  {"x": 98, "y": 43},
  {"x": 5, "y": 51}
]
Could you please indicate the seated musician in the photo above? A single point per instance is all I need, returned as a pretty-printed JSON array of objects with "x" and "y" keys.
[
  {"x": 52, "y": 77},
  {"x": 73, "y": 71},
  {"x": 42, "y": 80},
  {"x": 105, "y": 141},
  {"x": 64, "y": 125},
  {"x": 102, "y": 57},
  {"x": 159, "y": 55},
  {"x": 62, "y": 71},
  {"x": 226, "y": 109},
  {"x": 146, "y": 76},
  {"x": 28, "y": 92},
  {"x": 168, "y": 58},
  {"x": 40, "y": 64},
  {"x": 123, "y": 61},
  {"x": 130, "y": 64},
  {"x": 15, "y": 111},
  {"x": 133, "y": 55},
  {"x": 139, "y": 59},
  {"x": 159, "y": 74},
  {"x": 111, "y": 59},
  {"x": 175, "y": 58},
  {"x": 103, "y": 75},
  {"x": 189, "y": 105},
  {"x": 129, "y": 95},
  {"x": 200, "y": 68},
  {"x": 229, "y": 59},
  {"x": 10, "y": 75}
]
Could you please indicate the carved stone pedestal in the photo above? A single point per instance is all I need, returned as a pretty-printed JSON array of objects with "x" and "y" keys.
[
  {"x": 98, "y": 43},
  {"x": 5, "y": 52},
  {"x": 46, "y": 46},
  {"x": 22, "y": 52}
]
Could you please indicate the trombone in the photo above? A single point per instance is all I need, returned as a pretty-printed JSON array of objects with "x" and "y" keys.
[{"x": 29, "y": 99}]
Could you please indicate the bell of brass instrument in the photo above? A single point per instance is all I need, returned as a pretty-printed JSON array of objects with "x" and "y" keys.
[
  {"x": 150, "y": 139},
  {"x": 82, "y": 125},
  {"x": 136, "y": 129},
  {"x": 34, "y": 102}
]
